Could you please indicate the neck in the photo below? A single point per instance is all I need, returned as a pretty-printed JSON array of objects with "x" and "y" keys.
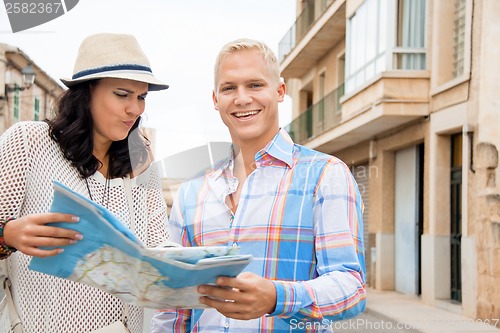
[
  {"x": 244, "y": 152},
  {"x": 103, "y": 157},
  {"x": 244, "y": 161},
  {"x": 101, "y": 148}
]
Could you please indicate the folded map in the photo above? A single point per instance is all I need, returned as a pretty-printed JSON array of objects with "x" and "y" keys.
[{"x": 110, "y": 257}]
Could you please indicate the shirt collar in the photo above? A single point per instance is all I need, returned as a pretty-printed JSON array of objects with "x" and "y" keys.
[{"x": 280, "y": 148}]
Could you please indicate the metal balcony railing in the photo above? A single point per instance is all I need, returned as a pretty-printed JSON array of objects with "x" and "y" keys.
[
  {"x": 313, "y": 10},
  {"x": 318, "y": 118}
]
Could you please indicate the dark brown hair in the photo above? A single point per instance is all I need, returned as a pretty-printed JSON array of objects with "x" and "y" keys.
[{"x": 72, "y": 128}]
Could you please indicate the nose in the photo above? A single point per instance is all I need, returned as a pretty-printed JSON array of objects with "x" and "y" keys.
[
  {"x": 135, "y": 107},
  {"x": 242, "y": 97}
]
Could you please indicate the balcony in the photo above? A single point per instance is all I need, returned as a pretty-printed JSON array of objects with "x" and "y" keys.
[
  {"x": 309, "y": 15},
  {"x": 319, "y": 27},
  {"x": 318, "y": 118},
  {"x": 390, "y": 100}
]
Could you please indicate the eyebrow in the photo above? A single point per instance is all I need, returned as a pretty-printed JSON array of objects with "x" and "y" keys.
[
  {"x": 245, "y": 82},
  {"x": 126, "y": 90},
  {"x": 131, "y": 91}
]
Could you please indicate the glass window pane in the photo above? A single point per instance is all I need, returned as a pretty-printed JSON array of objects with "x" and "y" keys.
[
  {"x": 382, "y": 26},
  {"x": 381, "y": 64},
  {"x": 411, "y": 34},
  {"x": 371, "y": 31},
  {"x": 370, "y": 70},
  {"x": 367, "y": 40}
]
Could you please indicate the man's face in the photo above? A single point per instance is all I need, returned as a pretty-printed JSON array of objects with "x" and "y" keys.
[{"x": 247, "y": 98}]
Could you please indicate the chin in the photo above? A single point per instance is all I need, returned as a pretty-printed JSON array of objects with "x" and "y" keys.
[{"x": 119, "y": 137}]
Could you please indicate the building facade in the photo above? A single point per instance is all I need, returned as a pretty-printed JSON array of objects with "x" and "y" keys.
[
  {"x": 405, "y": 92},
  {"x": 26, "y": 91}
]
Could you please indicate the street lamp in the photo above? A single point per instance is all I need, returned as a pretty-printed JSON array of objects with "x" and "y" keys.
[{"x": 28, "y": 79}]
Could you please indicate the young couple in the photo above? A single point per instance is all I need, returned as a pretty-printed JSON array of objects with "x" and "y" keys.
[{"x": 296, "y": 210}]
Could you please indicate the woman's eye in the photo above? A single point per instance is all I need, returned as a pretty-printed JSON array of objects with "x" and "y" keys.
[
  {"x": 120, "y": 94},
  {"x": 143, "y": 97}
]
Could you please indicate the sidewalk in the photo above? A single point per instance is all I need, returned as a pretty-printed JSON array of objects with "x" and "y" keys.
[
  {"x": 410, "y": 313},
  {"x": 389, "y": 311}
]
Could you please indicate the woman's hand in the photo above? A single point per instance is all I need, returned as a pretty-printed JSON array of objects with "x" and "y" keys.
[{"x": 29, "y": 232}]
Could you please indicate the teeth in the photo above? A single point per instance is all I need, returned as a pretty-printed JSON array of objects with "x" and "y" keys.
[{"x": 244, "y": 114}]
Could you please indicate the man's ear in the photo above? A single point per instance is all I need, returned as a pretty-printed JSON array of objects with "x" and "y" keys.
[
  {"x": 214, "y": 99},
  {"x": 281, "y": 92}
]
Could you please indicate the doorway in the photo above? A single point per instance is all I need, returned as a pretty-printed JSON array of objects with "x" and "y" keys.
[
  {"x": 408, "y": 219},
  {"x": 456, "y": 217}
]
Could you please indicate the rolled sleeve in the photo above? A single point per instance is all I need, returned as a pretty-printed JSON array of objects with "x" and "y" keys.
[{"x": 293, "y": 300}]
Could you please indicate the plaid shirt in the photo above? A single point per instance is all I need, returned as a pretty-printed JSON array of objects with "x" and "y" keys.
[{"x": 300, "y": 216}]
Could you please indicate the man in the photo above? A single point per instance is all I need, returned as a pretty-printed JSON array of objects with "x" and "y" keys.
[{"x": 296, "y": 210}]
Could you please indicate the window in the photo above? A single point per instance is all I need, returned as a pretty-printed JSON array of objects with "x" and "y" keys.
[
  {"x": 451, "y": 44},
  {"x": 410, "y": 51},
  {"x": 341, "y": 69},
  {"x": 376, "y": 43},
  {"x": 321, "y": 103},
  {"x": 341, "y": 77},
  {"x": 37, "y": 109},
  {"x": 16, "y": 103},
  {"x": 459, "y": 38},
  {"x": 366, "y": 43}
]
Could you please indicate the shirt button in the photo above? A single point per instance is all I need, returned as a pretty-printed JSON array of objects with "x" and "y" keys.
[
  {"x": 235, "y": 244},
  {"x": 226, "y": 325}
]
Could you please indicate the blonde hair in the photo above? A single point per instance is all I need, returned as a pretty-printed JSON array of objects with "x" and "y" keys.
[{"x": 248, "y": 44}]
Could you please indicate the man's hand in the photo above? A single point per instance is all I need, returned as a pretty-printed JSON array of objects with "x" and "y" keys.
[{"x": 244, "y": 297}]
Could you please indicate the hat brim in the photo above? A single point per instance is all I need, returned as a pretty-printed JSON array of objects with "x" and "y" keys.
[{"x": 154, "y": 84}]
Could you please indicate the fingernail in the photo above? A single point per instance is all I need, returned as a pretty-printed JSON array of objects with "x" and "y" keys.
[
  {"x": 60, "y": 251},
  {"x": 201, "y": 290},
  {"x": 79, "y": 236},
  {"x": 75, "y": 218}
]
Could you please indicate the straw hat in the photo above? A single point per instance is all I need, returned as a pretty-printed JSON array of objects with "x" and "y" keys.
[{"x": 108, "y": 55}]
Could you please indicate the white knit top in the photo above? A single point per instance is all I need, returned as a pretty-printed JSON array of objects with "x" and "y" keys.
[{"x": 29, "y": 161}]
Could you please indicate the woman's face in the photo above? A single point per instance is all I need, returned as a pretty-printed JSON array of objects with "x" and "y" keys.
[{"x": 115, "y": 105}]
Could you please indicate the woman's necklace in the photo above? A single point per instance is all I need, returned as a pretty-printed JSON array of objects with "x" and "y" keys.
[{"x": 105, "y": 192}]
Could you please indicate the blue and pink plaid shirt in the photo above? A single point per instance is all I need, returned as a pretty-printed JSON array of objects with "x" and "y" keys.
[{"x": 300, "y": 216}]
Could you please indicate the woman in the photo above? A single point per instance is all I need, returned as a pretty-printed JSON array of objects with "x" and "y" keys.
[{"x": 94, "y": 147}]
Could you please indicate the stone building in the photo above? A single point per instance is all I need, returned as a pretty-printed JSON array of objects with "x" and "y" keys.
[
  {"x": 405, "y": 92},
  {"x": 26, "y": 91}
]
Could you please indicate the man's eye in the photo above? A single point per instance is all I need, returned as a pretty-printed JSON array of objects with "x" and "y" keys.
[
  {"x": 227, "y": 88},
  {"x": 256, "y": 85}
]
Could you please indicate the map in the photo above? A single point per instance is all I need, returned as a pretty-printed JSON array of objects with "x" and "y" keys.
[{"x": 110, "y": 257}]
